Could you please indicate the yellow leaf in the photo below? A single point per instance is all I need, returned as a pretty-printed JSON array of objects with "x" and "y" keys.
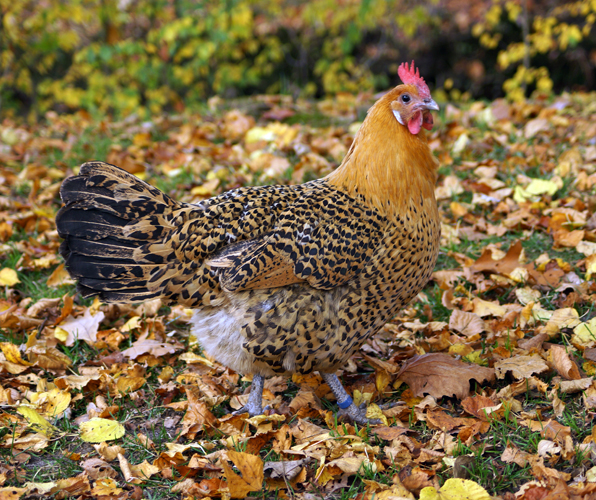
[
  {"x": 12, "y": 493},
  {"x": 52, "y": 403},
  {"x": 61, "y": 334},
  {"x": 12, "y": 354},
  {"x": 132, "y": 324},
  {"x": 126, "y": 384},
  {"x": 590, "y": 266},
  {"x": 382, "y": 380},
  {"x": 543, "y": 186},
  {"x": 562, "y": 318},
  {"x": 455, "y": 489},
  {"x": 475, "y": 357},
  {"x": 536, "y": 188},
  {"x": 97, "y": 430},
  {"x": 8, "y": 277},
  {"x": 251, "y": 468},
  {"x": 59, "y": 277},
  {"x": 374, "y": 411},
  {"x": 585, "y": 333},
  {"x": 36, "y": 421}
]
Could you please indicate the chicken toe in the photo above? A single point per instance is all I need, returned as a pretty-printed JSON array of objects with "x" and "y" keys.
[
  {"x": 347, "y": 408},
  {"x": 357, "y": 414}
]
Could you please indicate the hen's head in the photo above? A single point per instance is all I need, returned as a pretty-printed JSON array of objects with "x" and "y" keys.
[{"x": 411, "y": 103}]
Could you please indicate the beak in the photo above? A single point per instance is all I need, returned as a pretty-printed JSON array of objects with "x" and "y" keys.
[{"x": 430, "y": 104}]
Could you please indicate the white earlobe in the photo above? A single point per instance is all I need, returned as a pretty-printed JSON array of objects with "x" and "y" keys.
[{"x": 398, "y": 116}]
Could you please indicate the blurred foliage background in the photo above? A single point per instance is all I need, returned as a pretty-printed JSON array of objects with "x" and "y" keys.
[{"x": 149, "y": 56}]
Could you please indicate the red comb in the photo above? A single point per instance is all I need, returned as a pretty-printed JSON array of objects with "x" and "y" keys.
[{"x": 411, "y": 77}]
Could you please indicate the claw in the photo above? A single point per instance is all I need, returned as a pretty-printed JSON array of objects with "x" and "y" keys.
[
  {"x": 357, "y": 414},
  {"x": 347, "y": 407},
  {"x": 252, "y": 410}
]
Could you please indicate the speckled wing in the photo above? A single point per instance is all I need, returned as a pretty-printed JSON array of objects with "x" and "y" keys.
[
  {"x": 324, "y": 238},
  {"x": 126, "y": 241}
]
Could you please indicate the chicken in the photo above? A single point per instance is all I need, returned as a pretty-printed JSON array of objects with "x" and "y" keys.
[{"x": 281, "y": 279}]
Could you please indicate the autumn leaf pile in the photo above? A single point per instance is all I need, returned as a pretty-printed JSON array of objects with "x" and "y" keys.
[{"x": 492, "y": 366}]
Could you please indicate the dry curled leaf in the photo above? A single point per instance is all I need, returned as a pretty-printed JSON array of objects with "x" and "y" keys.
[{"x": 564, "y": 365}]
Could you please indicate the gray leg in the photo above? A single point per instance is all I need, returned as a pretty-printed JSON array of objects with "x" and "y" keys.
[
  {"x": 344, "y": 401},
  {"x": 254, "y": 405}
]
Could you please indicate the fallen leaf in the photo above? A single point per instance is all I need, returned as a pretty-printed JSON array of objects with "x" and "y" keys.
[
  {"x": 520, "y": 366},
  {"x": 466, "y": 323},
  {"x": 285, "y": 469},
  {"x": 563, "y": 363},
  {"x": 39, "y": 423},
  {"x": 83, "y": 328},
  {"x": 584, "y": 334},
  {"x": 440, "y": 375},
  {"x": 8, "y": 277},
  {"x": 150, "y": 346},
  {"x": 251, "y": 470},
  {"x": 504, "y": 266},
  {"x": 96, "y": 468},
  {"x": 456, "y": 489},
  {"x": 97, "y": 430},
  {"x": 481, "y": 407},
  {"x": 535, "y": 126}
]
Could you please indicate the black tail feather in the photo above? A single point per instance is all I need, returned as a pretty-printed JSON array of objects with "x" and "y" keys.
[{"x": 99, "y": 252}]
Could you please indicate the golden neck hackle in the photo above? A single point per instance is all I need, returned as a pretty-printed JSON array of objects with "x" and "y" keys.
[{"x": 387, "y": 165}]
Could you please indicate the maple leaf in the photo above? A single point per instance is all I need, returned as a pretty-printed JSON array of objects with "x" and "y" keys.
[
  {"x": 505, "y": 265},
  {"x": 441, "y": 375},
  {"x": 251, "y": 470}
]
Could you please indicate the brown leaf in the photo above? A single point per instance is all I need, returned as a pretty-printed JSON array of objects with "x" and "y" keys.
[
  {"x": 480, "y": 406},
  {"x": 96, "y": 468},
  {"x": 414, "y": 479},
  {"x": 251, "y": 470},
  {"x": 285, "y": 469},
  {"x": 563, "y": 363},
  {"x": 520, "y": 366},
  {"x": 49, "y": 358},
  {"x": 438, "y": 419},
  {"x": 441, "y": 375},
  {"x": 533, "y": 343},
  {"x": 197, "y": 415},
  {"x": 501, "y": 266},
  {"x": 72, "y": 486},
  {"x": 466, "y": 323},
  {"x": 389, "y": 433},
  {"x": 512, "y": 454},
  {"x": 552, "y": 430},
  {"x": 278, "y": 114},
  {"x": 573, "y": 386},
  {"x": 59, "y": 277},
  {"x": 467, "y": 434}
]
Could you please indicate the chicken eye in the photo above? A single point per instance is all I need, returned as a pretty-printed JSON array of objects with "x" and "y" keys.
[{"x": 405, "y": 98}]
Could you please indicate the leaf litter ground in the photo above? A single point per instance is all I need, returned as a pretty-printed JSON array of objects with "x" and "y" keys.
[{"x": 492, "y": 366}]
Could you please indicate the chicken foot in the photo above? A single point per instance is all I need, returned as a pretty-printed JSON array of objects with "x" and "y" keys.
[
  {"x": 346, "y": 404},
  {"x": 254, "y": 405}
]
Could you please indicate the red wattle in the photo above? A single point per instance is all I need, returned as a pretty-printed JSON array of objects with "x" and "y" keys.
[{"x": 415, "y": 123}]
